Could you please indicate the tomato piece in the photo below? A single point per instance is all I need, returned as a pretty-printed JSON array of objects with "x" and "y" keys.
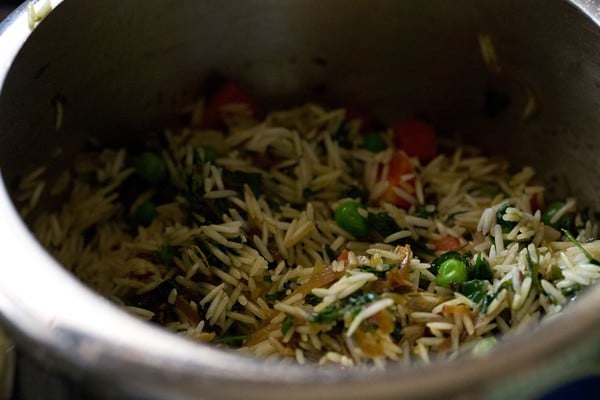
[
  {"x": 227, "y": 95},
  {"x": 343, "y": 256},
  {"x": 447, "y": 243},
  {"x": 416, "y": 138},
  {"x": 399, "y": 167},
  {"x": 534, "y": 203}
]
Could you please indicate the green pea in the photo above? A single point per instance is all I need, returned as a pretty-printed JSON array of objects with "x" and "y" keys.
[
  {"x": 144, "y": 214},
  {"x": 484, "y": 346},
  {"x": 374, "y": 142},
  {"x": 452, "y": 272},
  {"x": 208, "y": 154},
  {"x": 349, "y": 219},
  {"x": 166, "y": 254},
  {"x": 151, "y": 167}
]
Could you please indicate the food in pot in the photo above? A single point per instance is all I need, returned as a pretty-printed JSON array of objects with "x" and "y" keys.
[{"x": 313, "y": 234}]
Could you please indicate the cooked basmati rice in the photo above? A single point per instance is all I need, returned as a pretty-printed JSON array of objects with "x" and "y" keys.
[{"x": 245, "y": 250}]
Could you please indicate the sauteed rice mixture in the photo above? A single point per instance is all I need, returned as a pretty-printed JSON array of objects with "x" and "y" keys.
[{"x": 311, "y": 235}]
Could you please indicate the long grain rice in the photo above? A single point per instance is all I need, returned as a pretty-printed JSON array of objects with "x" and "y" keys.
[{"x": 271, "y": 264}]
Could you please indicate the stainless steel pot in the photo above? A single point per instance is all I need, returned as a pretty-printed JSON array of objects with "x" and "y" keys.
[{"x": 123, "y": 66}]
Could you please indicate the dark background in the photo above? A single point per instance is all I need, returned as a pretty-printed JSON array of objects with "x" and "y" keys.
[{"x": 6, "y": 6}]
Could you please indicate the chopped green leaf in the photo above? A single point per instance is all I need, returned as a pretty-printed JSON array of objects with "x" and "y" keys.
[
  {"x": 397, "y": 332},
  {"x": 341, "y": 136},
  {"x": 193, "y": 192},
  {"x": 374, "y": 142},
  {"x": 287, "y": 324},
  {"x": 419, "y": 248},
  {"x": 382, "y": 223},
  {"x": 487, "y": 300},
  {"x": 328, "y": 315},
  {"x": 590, "y": 258},
  {"x": 380, "y": 270},
  {"x": 233, "y": 341},
  {"x": 355, "y": 192},
  {"x": 278, "y": 295},
  {"x": 349, "y": 306},
  {"x": 451, "y": 216},
  {"x": 422, "y": 212},
  {"x": 207, "y": 154},
  {"x": 354, "y": 304},
  {"x": 507, "y": 226},
  {"x": 475, "y": 290},
  {"x": 166, "y": 254},
  {"x": 481, "y": 269},
  {"x": 571, "y": 291},
  {"x": 565, "y": 222},
  {"x": 312, "y": 299}
]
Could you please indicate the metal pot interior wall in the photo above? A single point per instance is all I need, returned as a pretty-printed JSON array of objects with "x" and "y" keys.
[
  {"x": 133, "y": 66},
  {"x": 121, "y": 68}
]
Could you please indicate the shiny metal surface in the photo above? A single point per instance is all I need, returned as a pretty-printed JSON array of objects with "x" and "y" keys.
[{"x": 126, "y": 66}]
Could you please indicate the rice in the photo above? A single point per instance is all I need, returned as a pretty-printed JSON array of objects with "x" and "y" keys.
[
  {"x": 37, "y": 14},
  {"x": 245, "y": 248}
]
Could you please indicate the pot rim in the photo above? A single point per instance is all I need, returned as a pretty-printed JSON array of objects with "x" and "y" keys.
[{"x": 55, "y": 326}]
